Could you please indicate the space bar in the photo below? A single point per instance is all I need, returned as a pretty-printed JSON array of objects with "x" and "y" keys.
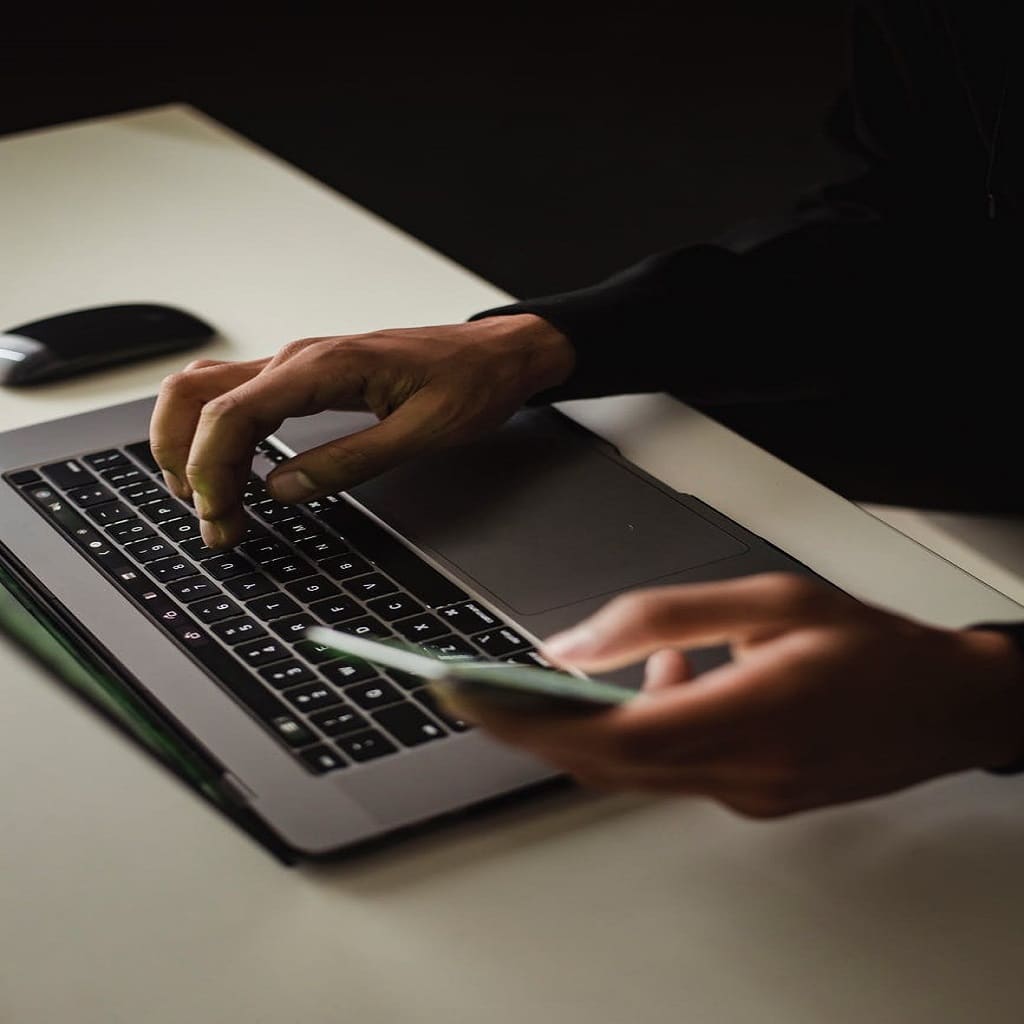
[{"x": 375, "y": 543}]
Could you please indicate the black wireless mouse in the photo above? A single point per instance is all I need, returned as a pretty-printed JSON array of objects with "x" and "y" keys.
[{"x": 85, "y": 339}]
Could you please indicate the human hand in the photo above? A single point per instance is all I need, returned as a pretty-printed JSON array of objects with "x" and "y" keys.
[
  {"x": 826, "y": 700},
  {"x": 429, "y": 386}
]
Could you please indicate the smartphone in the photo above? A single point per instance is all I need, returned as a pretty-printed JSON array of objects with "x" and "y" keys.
[{"x": 517, "y": 687}]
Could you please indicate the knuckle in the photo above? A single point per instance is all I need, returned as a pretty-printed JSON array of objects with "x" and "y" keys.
[
  {"x": 222, "y": 406},
  {"x": 176, "y": 383},
  {"x": 202, "y": 364},
  {"x": 295, "y": 348}
]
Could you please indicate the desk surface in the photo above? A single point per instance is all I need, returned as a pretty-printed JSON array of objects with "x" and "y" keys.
[{"x": 124, "y": 899}]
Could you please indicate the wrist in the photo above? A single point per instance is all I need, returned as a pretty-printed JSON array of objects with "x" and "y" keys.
[{"x": 548, "y": 357}]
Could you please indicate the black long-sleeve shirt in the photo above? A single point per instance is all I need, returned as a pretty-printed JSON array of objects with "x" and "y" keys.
[{"x": 870, "y": 335}]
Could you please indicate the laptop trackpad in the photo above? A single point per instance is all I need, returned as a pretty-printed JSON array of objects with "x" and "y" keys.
[{"x": 541, "y": 517}]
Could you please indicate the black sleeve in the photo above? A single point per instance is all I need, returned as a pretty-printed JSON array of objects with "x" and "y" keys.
[{"x": 849, "y": 293}]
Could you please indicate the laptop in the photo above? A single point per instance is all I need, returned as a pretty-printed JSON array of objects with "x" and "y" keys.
[{"x": 481, "y": 550}]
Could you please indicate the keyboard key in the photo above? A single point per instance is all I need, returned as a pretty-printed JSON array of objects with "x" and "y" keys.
[
  {"x": 373, "y": 585},
  {"x": 366, "y": 745},
  {"x": 408, "y": 724},
  {"x": 292, "y": 731},
  {"x": 421, "y": 627},
  {"x": 69, "y": 474},
  {"x": 226, "y": 567},
  {"x": 150, "y": 550},
  {"x": 499, "y": 642},
  {"x": 321, "y": 759},
  {"x": 251, "y": 585},
  {"x": 163, "y": 510},
  {"x": 366, "y": 626},
  {"x": 373, "y": 694},
  {"x": 271, "y": 511},
  {"x": 321, "y": 546},
  {"x": 339, "y": 721},
  {"x": 287, "y": 569},
  {"x": 430, "y": 702},
  {"x": 335, "y": 609},
  {"x": 390, "y": 555},
  {"x": 106, "y": 459},
  {"x": 264, "y": 550},
  {"x": 345, "y": 566},
  {"x": 469, "y": 618},
  {"x": 197, "y": 550},
  {"x": 293, "y": 627},
  {"x": 451, "y": 647},
  {"x": 263, "y": 652},
  {"x": 110, "y": 512},
  {"x": 141, "y": 493},
  {"x": 286, "y": 673},
  {"x": 273, "y": 606},
  {"x": 396, "y": 606},
  {"x": 164, "y": 570},
  {"x": 215, "y": 610},
  {"x": 195, "y": 588},
  {"x": 181, "y": 530},
  {"x": 296, "y": 528},
  {"x": 312, "y": 589},
  {"x": 236, "y": 631},
  {"x": 24, "y": 477},
  {"x": 346, "y": 670},
  {"x": 530, "y": 658},
  {"x": 123, "y": 476},
  {"x": 94, "y": 494},
  {"x": 315, "y": 654},
  {"x": 130, "y": 529},
  {"x": 255, "y": 490},
  {"x": 140, "y": 451},
  {"x": 311, "y": 697}
]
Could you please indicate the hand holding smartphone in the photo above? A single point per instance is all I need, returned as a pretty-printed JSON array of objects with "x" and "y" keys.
[{"x": 516, "y": 687}]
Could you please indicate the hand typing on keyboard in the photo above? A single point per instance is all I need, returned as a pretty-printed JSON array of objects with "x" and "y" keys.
[{"x": 428, "y": 386}]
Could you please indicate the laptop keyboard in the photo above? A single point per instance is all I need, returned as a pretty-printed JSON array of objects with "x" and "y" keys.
[{"x": 242, "y": 614}]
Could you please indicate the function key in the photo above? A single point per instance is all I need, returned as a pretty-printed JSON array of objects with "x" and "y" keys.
[
  {"x": 107, "y": 459},
  {"x": 194, "y": 588},
  {"x": 408, "y": 724},
  {"x": 123, "y": 476},
  {"x": 339, "y": 721},
  {"x": 24, "y": 477},
  {"x": 321, "y": 546},
  {"x": 292, "y": 731},
  {"x": 397, "y": 606},
  {"x": 68, "y": 474},
  {"x": 286, "y": 673},
  {"x": 321, "y": 759},
  {"x": 366, "y": 745},
  {"x": 94, "y": 494},
  {"x": 469, "y": 617},
  {"x": 421, "y": 627},
  {"x": 141, "y": 453},
  {"x": 499, "y": 642}
]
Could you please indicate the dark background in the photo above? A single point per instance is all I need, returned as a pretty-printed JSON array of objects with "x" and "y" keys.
[{"x": 542, "y": 149}]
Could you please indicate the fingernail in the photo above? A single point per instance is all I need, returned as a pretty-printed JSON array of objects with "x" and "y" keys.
[
  {"x": 213, "y": 533},
  {"x": 573, "y": 643},
  {"x": 175, "y": 485},
  {"x": 201, "y": 505},
  {"x": 291, "y": 486}
]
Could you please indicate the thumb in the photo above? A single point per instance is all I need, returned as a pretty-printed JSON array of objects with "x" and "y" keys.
[
  {"x": 748, "y": 609},
  {"x": 347, "y": 461}
]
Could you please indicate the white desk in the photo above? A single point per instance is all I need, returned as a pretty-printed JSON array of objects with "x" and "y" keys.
[{"x": 125, "y": 899}]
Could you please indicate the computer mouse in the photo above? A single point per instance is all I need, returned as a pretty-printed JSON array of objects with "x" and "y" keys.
[{"x": 86, "y": 339}]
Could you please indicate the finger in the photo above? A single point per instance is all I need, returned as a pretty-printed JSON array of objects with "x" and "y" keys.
[
  {"x": 178, "y": 406},
  {"x": 665, "y": 668},
  {"x": 416, "y": 425},
  {"x": 704, "y": 614}
]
